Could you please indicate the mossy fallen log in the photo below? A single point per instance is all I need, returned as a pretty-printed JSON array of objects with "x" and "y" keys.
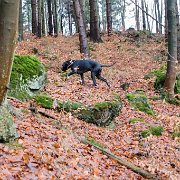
[{"x": 101, "y": 114}]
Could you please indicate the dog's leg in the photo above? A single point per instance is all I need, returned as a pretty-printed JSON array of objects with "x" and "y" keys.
[
  {"x": 82, "y": 78},
  {"x": 70, "y": 73},
  {"x": 102, "y": 79},
  {"x": 93, "y": 76}
]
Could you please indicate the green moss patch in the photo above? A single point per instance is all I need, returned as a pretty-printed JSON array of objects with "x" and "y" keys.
[
  {"x": 140, "y": 102},
  {"x": 134, "y": 120},
  {"x": 26, "y": 70},
  {"x": 44, "y": 100},
  {"x": 69, "y": 106},
  {"x": 154, "y": 130}
]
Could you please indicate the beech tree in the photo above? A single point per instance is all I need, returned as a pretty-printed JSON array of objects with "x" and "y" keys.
[
  {"x": 9, "y": 12},
  {"x": 172, "y": 48}
]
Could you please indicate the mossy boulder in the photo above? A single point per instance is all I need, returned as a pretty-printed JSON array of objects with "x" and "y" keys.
[
  {"x": 7, "y": 127},
  {"x": 101, "y": 114},
  {"x": 140, "y": 102},
  {"x": 154, "y": 130},
  {"x": 27, "y": 77}
]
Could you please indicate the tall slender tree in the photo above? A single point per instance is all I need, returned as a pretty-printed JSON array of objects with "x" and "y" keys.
[
  {"x": 39, "y": 18},
  {"x": 43, "y": 18},
  {"x": 55, "y": 23},
  {"x": 108, "y": 16},
  {"x": 143, "y": 15},
  {"x": 94, "y": 22},
  {"x": 20, "y": 26},
  {"x": 137, "y": 15},
  {"x": 172, "y": 48},
  {"x": 50, "y": 18},
  {"x": 34, "y": 18},
  {"x": 82, "y": 32}
]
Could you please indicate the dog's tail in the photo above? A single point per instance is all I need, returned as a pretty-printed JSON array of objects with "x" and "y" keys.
[{"x": 104, "y": 65}]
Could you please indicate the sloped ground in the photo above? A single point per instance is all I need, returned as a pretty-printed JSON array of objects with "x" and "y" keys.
[{"x": 48, "y": 149}]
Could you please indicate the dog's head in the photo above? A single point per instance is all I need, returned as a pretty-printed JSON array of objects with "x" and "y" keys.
[{"x": 66, "y": 65}]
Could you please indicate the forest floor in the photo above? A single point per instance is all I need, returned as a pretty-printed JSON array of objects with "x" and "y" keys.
[{"x": 48, "y": 149}]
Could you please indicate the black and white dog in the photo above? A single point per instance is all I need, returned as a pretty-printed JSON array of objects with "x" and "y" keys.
[{"x": 82, "y": 66}]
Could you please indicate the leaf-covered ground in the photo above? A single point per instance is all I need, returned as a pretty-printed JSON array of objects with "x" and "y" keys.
[{"x": 48, "y": 148}]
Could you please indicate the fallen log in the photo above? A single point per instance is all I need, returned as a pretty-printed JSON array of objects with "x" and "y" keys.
[{"x": 123, "y": 162}]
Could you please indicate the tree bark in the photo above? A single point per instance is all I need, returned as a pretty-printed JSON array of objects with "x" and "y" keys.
[
  {"x": 54, "y": 8},
  {"x": 109, "y": 17},
  {"x": 82, "y": 32},
  {"x": 20, "y": 27},
  {"x": 123, "y": 14},
  {"x": 143, "y": 15},
  {"x": 9, "y": 12},
  {"x": 39, "y": 19},
  {"x": 137, "y": 15},
  {"x": 43, "y": 18},
  {"x": 94, "y": 23},
  {"x": 50, "y": 21},
  {"x": 172, "y": 48},
  {"x": 34, "y": 19}
]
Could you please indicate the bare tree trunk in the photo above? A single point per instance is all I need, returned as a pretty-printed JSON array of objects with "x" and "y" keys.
[
  {"x": 178, "y": 35},
  {"x": 39, "y": 19},
  {"x": 9, "y": 12},
  {"x": 109, "y": 17},
  {"x": 54, "y": 8},
  {"x": 34, "y": 19},
  {"x": 143, "y": 15},
  {"x": 94, "y": 23},
  {"x": 147, "y": 17},
  {"x": 20, "y": 27},
  {"x": 166, "y": 21},
  {"x": 29, "y": 16},
  {"x": 123, "y": 14},
  {"x": 69, "y": 17},
  {"x": 103, "y": 15},
  {"x": 50, "y": 20},
  {"x": 82, "y": 32},
  {"x": 137, "y": 16},
  {"x": 172, "y": 48},
  {"x": 43, "y": 18}
]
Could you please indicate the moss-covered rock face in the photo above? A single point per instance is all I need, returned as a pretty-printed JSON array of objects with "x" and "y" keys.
[
  {"x": 28, "y": 76},
  {"x": 140, "y": 102},
  {"x": 101, "y": 114},
  {"x": 154, "y": 130},
  {"x": 7, "y": 127}
]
